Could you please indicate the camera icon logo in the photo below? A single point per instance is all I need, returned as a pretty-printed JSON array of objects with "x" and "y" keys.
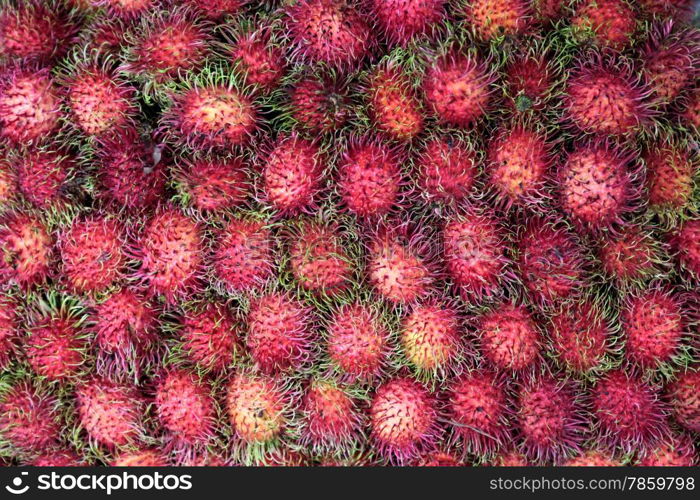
[{"x": 16, "y": 488}]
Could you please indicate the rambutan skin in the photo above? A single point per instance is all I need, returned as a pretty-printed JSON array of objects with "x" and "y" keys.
[
  {"x": 211, "y": 338},
  {"x": 632, "y": 255},
  {"x": 684, "y": 398},
  {"x": 447, "y": 169},
  {"x": 29, "y": 418},
  {"x": 611, "y": 23},
  {"x": 319, "y": 105},
  {"x": 669, "y": 177},
  {"x": 496, "y": 18},
  {"x": 211, "y": 184},
  {"x": 529, "y": 80},
  {"x": 509, "y": 337},
  {"x": 403, "y": 420},
  {"x": 676, "y": 450},
  {"x": 141, "y": 458},
  {"x": 9, "y": 330},
  {"x": 259, "y": 59},
  {"x": 404, "y": 20},
  {"x": 687, "y": 245},
  {"x": 55, "y": 347},
  {"x": 393, "y": 104},
  {"x": 42, "y": 176},
  {"x": 216, "y": 9},
  {"x": 592, "y": 458}
]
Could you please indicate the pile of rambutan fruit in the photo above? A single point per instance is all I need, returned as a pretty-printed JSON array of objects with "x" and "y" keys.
[{"x": 349, "y": 233}]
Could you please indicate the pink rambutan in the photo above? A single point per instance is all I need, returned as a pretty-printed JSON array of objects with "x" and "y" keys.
[
  {"x": 665, "y": 9},
  {"x": 29, "y": 418},
  {"x": 509, "y": 337},
  {"x": 357, "y": 343},
  {"x": 653, "y": 324},
  {"x": 147, "y": 457},
  {"x": 430, "y": 338},
  {"x": 684, "y": 397},
  {"x": 211, "y": 184},
  {"x": 478, "y": 411},
  {"x": 280, "y": 335},
  {"x": 497, "y": 18},
  {"x": 446, "y": 169},
  {"x": 457, "y": 88},
  {"x": 529, "y": 80},
  {"x": 185, "y": 408},
  {"x": 403, "y": 420},
  {"x": 549, "y": 11},
  {"x": 631, "y": 255},
  {"x": 518, "y": 160},
  {"x": 580, "y": 333},
  {"x": 243, "y": 257},
  {"x": 592, "y": 458},
  {"x": 510, "y": 458},
  {"x": 550, "y": 262},
  {"x": 57, "y": 458},
  {"x": 676, "y": 450},
  {"x": 439, "y": 459},
  {"x": 92, "y": 253},
  {"x": 319, "y": 104},
  {"x": 125, "y": 333},
  {"x": 686, "y": 243},
  {"x": 334, "y": 32},
  {"x": 216, "y": 9},
  {"x": 629, "y": 415},
  {"x": 8, "y": 182},
  {"x": 605, "y": 97},
  {"x": 9, "y": 330},
  {"x": 393, "y": 104},
  {"x": 318, "y": 259},
  {"x": 42, "y": 176},
  {"x": 403, "y": 20},
  {"x": 26, "y": 250},
  {"x": 597, "y": 185},
  {"x": 170, "y": 251},
  {"x": 30, "y": 106},
  {"x": 690, "y": 113},
  {"x": 112, "y": 414},
  {"x": 610, "y": 23},
  {"x": 369, "y": 178},
  {"x": 670, "y": 176},
  {"x": 293, "y": 174},
  {"x": 128, "y": 9},
  {"x": 330, "y": 417},
  {"x": 260, "y": 60},
  {"x": 210, "y": 338},
  {"x": 474, "y": 253},
  {"x": 106, "y": 35},
  {"x": 549, "y": 419}
]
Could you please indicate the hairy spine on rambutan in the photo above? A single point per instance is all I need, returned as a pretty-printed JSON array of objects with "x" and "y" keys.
[
  {"x": 592, "y": 458},
  {"x": 257, "y": 54},
  {"x": 686, "y": 243},
  {"x": 92, "y": 253},
  {"x": 439, "y": 459},
  {"x": 404, "y": 20},
  {"x": 217, "y": 9},
  {"x": 670, "y": 176},
  {"x": 213, "y": 184},
  {"x": 683, "y": 395},
  {"x": 447, "y": 167},
  {"x": 492, "y": 19},
  {"x": 680, "y": 10},
  {"x": 689, "y": 113},
  {"x": 403, "y": 420},
  {"x": 675, "y": 450},
  {"x": 9, "y": 329},
  {"x": 127, "y": 9},
  {"x": 243, "y": 258},
  {"x": 8, "y": 183},
  {"x": 632, "y": 255},
  {"x": 26, "y": 250},
  {"x": 57, "y": 458},
  {"x": 357, "y": 342},
  {"x": 44, "y": 175},
  {"x": 29, "y": 418},
  {"x": 146, "y": 457},
  {"x": 280, "y": 333},
  {"x": 320, "y": 105},
  {"x": 334, "y": 32},
  {"x": 610, "y": 23},
  {"x": 458, "y": 88},
  {"x": 529, "y": 79}
]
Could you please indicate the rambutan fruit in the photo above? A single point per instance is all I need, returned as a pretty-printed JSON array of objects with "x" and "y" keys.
[
  {"x": 43, "y": 175},
  {"x": 686, "y": 243},
  {"x": 654, "y": 326},
  {"x": 670, "y": 175},
  {"x": 509, "y": 337},
  {"x": 676, "y": 450},
  {"x": 8, "y": 183},
  {"x": 105, "y": 35},
  {"x": 580, "y": 333},
  {"x": 213, "y": 183},
  {"x": 398, "y": 269},
  {"x": 333, "y": 32},
  {"x": 597, "y": 185},
  {"x": 592, "y": 458},
  {"x": 210, "y": 338},
  {"x": 9, "y": 330},
  {"x": 671, "y": 60},
  {"x": 447, "y": 168},
  {"x": 147, "y": 457},
  {"x": 99, "y": 100},
  {"x": 26, "y": 250},
  {"x": 518, "y": 162},
  {"x": 92, "y": 253},
  {"x": 667, "y": 9},
  {"x": 510, "y": 458},
  {"x": 129, "y": 176},
  {"x": 128, "y": 9},
  {"x": 260, "y": 60},
  {"x": 439, "y": 459},
  {"x": 403, "y": 20},
  {"x": 164, "y": 46},
  {"x": 478, "y": 411},
  {"x": 492, "y": 19},
  {"x": 186, "y": 409},
  {"x": 529, "y": 81},
  {"x": 283, "y": 457},
  {"x": 357, "y": 343},
  {"x": 170, "y": 251},
  {"x": 549, "y": 11},
  {"x": 35, "y": 30},
  {"x": 280, "y": 335},
  {"x": 393, "y": 104},
  {"x": 458, "y": 89},
  {"x": 403, "y": 420},
  {"x": 605, "y": 97},
  {"x": 690, "y": 109},
  {"x": 30, "y": 106},
  {"x": 124, "y": 326},
  {"x": 369, "y": 178},
  {"x": 57, "y": 458},
  {"x": 243, "y": 257},
  {"x": 318, "y": 259},
  {"x": 609, "y": 23},
  {"x": 293, "y": 174},
  {"x": 216, "y": 9},
  {"x": 29, "y": 418},
  {"x": 684, "y": 397},
  {"x": 431, "y": 340},
  {"x": 632, "y": 255},
  {"x": 110, "y": 413},
  {"x": 257, "y": 408},
  {"x": 57, "y": 342},
  {"x": 331, "y": 419},
  {"x": 549, "y": 419},
  {"x": 550, "y": 262},
  {"x": 319, "y": 104},
  {"x": 629, "y": 415},
  {"x": 474, "y": 253},
  {"x": 208, "y": 116}
]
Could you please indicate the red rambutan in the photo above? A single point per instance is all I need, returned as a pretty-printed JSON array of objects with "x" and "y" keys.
[
  {"x": 211, "y": 184},
  {"x": 529, "y": 80},
  {"x": 259, "y": 59},
  {"x": 632, "y": 255},
  {"x": 403, "y": 20},
  {"x": 592, "y": 458},
  {"x": 29, "y": 418},
  {"x": 393, "y": 104},
  {"x": 509, "y": 337},
  {"x": 447, "y": 169},
  {"x": 216, "y": 9},
  {"x": 687, "y": 245},
  {"x": 676, "y": 9},
  {"x": 141, "y": 458},
  {"x": 42, "y": 176},
  {"x": 669, "y": 176},
  {"x": 497, "y": 18},
  {"x": 319, "y": 105},
  {"x": 439, "y": 459},
  {"x": 57, "y": 458},
  {"x": 26, "y": 250},
  {"x": 684, "y": 397},
  {"x": 127, "y": 8},
  {"x": 610, "y": 23},
  {"x": 676, "y": 450},
  {"x": 9, "y": 330},
  {"x": 8, "y": 182}
]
